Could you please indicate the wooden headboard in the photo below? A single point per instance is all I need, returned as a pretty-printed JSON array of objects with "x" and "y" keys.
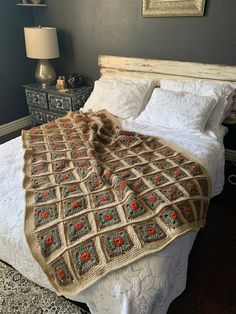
[{"x": 165, "y": 69}]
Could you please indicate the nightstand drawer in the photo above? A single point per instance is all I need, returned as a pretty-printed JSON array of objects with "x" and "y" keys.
[
  {"x": 36, "y": 98},
  {"x": 56, "y": 102},
  {"x": 81, "y": 97},
  {"x": 46, "y": 104},
  {"x": 37, "y": 116},
  {"x": 42, "y": 116},
  {"x": 49, "y": 116}
]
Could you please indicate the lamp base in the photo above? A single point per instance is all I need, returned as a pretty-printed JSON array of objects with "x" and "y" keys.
[{"x": 45, "y": 74}]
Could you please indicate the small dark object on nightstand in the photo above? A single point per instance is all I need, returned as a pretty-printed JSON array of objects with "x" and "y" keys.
[{"x": 75, "y": 80}]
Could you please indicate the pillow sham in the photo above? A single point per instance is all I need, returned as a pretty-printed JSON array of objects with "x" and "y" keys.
[
  {"x": 177, "y": 110},
  {"x": 221, "y": 92},
  {"x": 123, "y": 97}
]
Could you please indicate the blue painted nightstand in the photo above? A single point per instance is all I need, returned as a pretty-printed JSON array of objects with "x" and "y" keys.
[{"x": 47, "y": 104}]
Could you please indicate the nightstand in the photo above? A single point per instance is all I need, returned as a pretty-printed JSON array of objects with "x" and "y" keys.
[
  {"x": 47, "y": 104},
  {"x": 230, "y": 150}
]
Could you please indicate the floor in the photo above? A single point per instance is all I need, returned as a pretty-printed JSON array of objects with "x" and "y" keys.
[
  {"x": 211, "y": 283},
  {"x": 10, "y": 136}
]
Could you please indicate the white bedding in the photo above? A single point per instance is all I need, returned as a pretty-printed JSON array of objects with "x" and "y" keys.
[{"x": 145, "y": 286}]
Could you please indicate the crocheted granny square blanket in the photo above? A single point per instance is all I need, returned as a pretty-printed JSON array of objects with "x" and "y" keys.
[{"x": 99, "y": 198}]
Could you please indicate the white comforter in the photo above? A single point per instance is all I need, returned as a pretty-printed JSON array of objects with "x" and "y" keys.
[{"x": 145, "y": 286}]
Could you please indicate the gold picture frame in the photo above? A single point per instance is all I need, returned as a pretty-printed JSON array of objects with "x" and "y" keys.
[{"x": 153, "y": 8}]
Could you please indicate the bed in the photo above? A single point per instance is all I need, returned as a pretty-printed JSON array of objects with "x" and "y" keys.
[{"x": 151, "y": 283}]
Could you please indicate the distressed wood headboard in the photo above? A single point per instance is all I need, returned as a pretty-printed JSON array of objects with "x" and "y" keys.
[{"x": 166, "y": 69}]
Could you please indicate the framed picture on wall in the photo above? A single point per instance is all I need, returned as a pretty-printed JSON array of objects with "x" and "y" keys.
[{"x": 153, "y": 8}]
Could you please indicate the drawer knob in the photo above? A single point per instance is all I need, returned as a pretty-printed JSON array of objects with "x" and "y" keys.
[
  {"x": 36, "y": 98},
  {"x": 59, "y": 104}
]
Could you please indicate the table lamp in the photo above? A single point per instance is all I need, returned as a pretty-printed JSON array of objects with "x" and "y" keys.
[{"x": 41, "y": 43}]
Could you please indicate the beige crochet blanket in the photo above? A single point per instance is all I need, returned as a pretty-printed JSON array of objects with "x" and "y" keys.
[{"x": 99, "y": 198}]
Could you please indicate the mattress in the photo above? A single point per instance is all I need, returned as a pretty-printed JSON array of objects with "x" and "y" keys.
[{"x": 146, "y": 286}]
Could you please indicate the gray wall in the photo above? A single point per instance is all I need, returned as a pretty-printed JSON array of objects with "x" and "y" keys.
[
  {"x": 88, "y": 28},
  {"x": 15, "y": 68}
]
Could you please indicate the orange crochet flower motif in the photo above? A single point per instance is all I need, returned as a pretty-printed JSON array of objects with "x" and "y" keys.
[
  {"x": 85, "y": 257},
  {"x": 191, "y": 186},
  {"x": 118, "y": 241},
  {"x": 136, "y": 186},
  {"x": 61, "y": 273},
  {"x": 158, "y": 178},
  {"x": 173, "y": 215},
  {"x": 122, "y": 185},
  {"x": 152, "y": 199},
  {"x": 151, "y": 231},
  {"x": 96, "y": 183},
  {"x": 45, "y": 214},
  {"x": 103, "y": 198},
  {"x": 108, "y": 217},
  {"x": 78, "y": 226},
  {"x": 176, "y": 173},
  {"x": 134, "y": 205},
  {"x": 108, "y": 174},
  {"x": 75, "y": 204},
  {"x": 172, "y": 191},
  {"x": 49, "y": 240}
]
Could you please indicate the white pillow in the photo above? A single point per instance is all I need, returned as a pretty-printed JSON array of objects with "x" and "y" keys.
[
  {"x": 222, "y": 92},
  {"x": 177, "y": 110},
  {"x": 123, "y": 97}
]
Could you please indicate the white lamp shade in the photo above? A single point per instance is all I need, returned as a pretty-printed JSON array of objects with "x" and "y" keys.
[{"x": 41, "y": 42}]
